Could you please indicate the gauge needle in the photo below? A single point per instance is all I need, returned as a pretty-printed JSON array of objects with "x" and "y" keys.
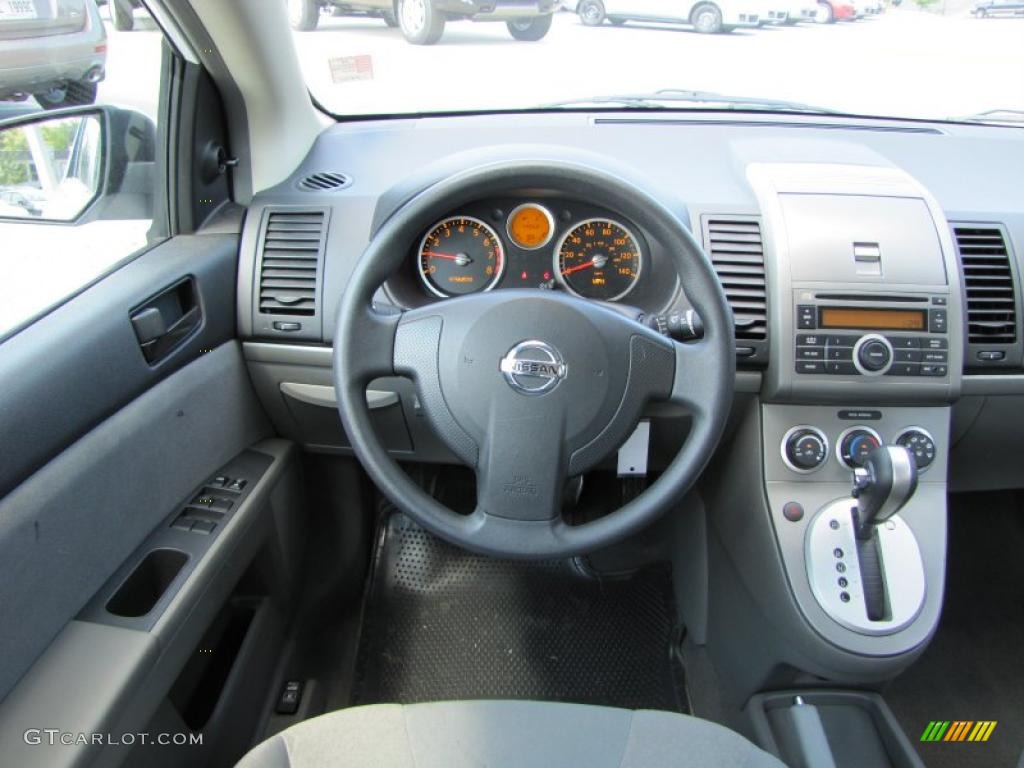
[
  {"x": 459, "y": 258},
  {"x": 597, "y": 261}
]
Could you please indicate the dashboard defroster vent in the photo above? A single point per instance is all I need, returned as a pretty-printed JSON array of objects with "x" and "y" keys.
[
  {"x": 292, "y": 251},
  {"x": 988, "y": 285},
  {"x": 324, "y": 181},
  {"x": 737, "y": 253}
]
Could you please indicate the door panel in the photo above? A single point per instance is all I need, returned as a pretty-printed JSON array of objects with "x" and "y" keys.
[
  {"x": 76, "y": 366},
  {"x": 99, "y": 445}
]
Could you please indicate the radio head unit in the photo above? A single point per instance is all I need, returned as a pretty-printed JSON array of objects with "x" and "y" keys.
[{"x": 903, "y": 337}]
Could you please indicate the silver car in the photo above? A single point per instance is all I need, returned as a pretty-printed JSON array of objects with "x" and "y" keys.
[{"x": 54, "y": 50}]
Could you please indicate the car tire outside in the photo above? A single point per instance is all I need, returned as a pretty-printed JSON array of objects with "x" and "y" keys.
[
  {"x": 420, "y": 22},
  {"x": 390, "y": 19},
  {"x": 825, "y": 14},
  {"x": 529, "y": 30},
  {"x": 591, "y": 12},
  {"x": 303, "y": 15},
  {"x": 70, "y": 95},
  {"x": 707, "y": 19},
  {"x": 121, "y": 12}
]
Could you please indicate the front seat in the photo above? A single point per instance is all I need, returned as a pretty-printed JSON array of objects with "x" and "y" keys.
[{"x": 496, "y": 734}]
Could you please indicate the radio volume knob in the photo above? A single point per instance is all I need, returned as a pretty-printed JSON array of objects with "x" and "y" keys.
[
  {"x": 873, "y": 354},
  {"x": 805, "y": 449}
]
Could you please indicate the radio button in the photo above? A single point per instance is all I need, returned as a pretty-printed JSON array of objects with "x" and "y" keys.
[
  {"x": 907, "y": 355},
  {"x": 934, "y": 357},
  {"x": 810, "y": 366},
  {"x": 839, "y": 353},
  {"x": 810, "y": 353},
  {"x": 937, "y": 321},
  {"x": 934, "y": 370},
  {"x": 934, "y": 344},
  {"x": 904, "y": 342},
  {"x": 841, "y": 341},
  {"x": 806, "y": 316},
  {"x": 843, "y": 369},
  {"x": 810, "y": 340},
  {"x": 904, "y": 369}
]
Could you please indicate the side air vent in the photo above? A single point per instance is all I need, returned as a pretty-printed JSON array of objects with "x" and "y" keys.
[
  {"x": 323, "y": 182},
  {"x": 293, "y": 244},
  {"x": 990, "y": 295},
  {"x": 734, "y": 244}
]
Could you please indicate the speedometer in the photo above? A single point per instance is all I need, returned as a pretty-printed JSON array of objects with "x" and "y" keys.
[
  {"x": 599, "y": 259},
  {"x": 460, "y": 255}
]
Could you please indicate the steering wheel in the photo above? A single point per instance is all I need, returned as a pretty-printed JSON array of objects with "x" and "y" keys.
[{"x": 531, "y": 387}]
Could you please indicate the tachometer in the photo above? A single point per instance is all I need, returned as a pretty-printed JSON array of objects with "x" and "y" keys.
[
  {"x": 460, "y": 255},
  {"x": 599, "y": 259}
]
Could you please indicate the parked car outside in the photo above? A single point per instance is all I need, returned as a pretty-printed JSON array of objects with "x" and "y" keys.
[
  {"x": 422, "y": 21},
  {"x": 998, "y": 8},
  {"x": 774, "y": 12},
  {"x": 801, "y": 10},
  {"x": 705, "y": 16},
  {"x": 830, "y": 11},
  {"x": 56, "y": 52}
]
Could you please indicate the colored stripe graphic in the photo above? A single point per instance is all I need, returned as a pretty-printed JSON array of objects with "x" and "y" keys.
[
  {"x": 958, "y": 730},
  {"x": 935, "y": 730}
]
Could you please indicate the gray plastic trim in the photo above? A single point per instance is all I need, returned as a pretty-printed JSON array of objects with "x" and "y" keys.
[{"x": 324, "y": 396}]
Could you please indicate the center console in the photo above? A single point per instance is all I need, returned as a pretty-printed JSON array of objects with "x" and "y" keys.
[
  {"x": 855, "y": 418},
  {"x": 841, "y": 546}
]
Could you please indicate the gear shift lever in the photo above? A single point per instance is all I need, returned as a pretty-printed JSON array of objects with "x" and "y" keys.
[{"x": 882, "y": 486}]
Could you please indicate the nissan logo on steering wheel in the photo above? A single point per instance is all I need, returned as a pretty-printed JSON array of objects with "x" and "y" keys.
[{"x": 533, "y": 367}]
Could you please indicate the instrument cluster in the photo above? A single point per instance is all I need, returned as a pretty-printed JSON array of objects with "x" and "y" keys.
[{"x": 532, "y": 241}]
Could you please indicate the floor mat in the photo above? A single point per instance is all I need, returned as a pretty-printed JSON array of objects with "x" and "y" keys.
[
  {"x": 442, "y": 623},
  {"x": 974, "y": 667}
]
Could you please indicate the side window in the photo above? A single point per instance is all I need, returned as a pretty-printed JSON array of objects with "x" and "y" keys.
[{"x": 76, "y": 188}]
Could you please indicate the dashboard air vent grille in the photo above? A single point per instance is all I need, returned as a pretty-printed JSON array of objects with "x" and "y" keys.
[
  {"x": 737, "y": 254},
  {"x": 324, "y": 181},
  {"x": 988, "y": 284},
  {"x": 292, "y": 246}
]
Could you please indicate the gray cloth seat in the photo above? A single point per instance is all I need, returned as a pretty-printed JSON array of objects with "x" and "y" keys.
[{"x": 496, "y": 734}]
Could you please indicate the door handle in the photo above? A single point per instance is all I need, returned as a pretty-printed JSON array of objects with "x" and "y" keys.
[{"x": 165, "y": 320}]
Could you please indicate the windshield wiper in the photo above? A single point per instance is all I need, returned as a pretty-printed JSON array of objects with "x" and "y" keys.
[
  {"x": 670, "y": 98},
  {"x": 1006, "y": 116}
]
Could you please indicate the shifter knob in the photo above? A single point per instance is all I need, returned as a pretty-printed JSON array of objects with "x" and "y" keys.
[{"x": 883, "y": 485}]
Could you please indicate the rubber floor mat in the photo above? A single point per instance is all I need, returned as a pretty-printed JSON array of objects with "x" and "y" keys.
[{"x": 442, "y": 623}]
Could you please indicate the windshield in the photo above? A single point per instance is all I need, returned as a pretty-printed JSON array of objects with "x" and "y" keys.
[{"x": 932, "y": 59}]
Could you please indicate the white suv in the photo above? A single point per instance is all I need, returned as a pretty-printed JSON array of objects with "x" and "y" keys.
[{"x": 706, "y": 16}]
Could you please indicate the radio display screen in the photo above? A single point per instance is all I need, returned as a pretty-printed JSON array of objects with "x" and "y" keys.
[{"x": 874, "y": 319}]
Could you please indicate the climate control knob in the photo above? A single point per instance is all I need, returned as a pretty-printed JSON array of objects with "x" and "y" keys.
[
  {"x": 805, "y": 449},
  {"x": 855, "y": 444},
  {"x": 920, "y": 444}
]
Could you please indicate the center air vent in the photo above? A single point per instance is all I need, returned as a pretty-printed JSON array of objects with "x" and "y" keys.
[
  {"x": 322, "y": 182},
  {"x": 293, "y": 244},
  {"x": 734, "y": 244},
  {"x": 988, "y": 285}
]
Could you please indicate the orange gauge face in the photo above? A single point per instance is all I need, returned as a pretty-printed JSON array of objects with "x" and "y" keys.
[{"x": 530, "y": 226}]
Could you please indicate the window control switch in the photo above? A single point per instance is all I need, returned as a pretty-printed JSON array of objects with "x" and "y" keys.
[
  {"x": 291, "y": 695},
  {"x": 211, "y": 501},
  {"x": 182, "y": 523},
  {"x": 203, "y": 526},
  {"x": 210, "y": 515}
]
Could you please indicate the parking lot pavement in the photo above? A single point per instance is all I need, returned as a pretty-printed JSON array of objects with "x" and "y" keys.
[{"x": 903, "y": 63}]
